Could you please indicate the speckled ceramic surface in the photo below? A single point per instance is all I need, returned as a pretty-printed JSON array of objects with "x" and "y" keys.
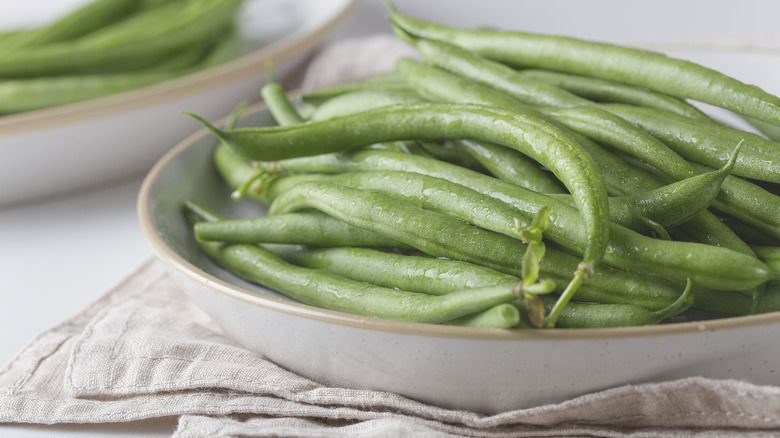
[{"x": 486, "y": 371}]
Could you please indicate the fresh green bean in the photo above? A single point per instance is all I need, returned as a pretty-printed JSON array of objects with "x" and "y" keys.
[
  {"x": 737, "y": 304},
  {"x": 275, "y": 97},
  {"x": 571, "y": 111},
  {"x": 707, "y": 144},
  {"x": 601, "y": 90},
  {"x": 676, "y": 77},
  {"x": 305, "y": 228},
  {"x": 18, "y": 95},
  {"x": 770, "y": 255},
  {"x": 359, "y": 101},
  {"x": 387, "y": 81},
  {"x": 413, "y": 273},
  {"x": 748, "y": 202},
  {"x": 441, "y": 276},
  {"x": 136, "y": 43},
  {"x": 552, "y": 148},
  {"x": 505, "y": 163},
  {"x": 712, "y": 267},
  {"x": 323, "y": 289},
  {"x": 505, "y": 316},
  {"x": 81, "y": 21},
  {"x": 511, "y": 166},
  {"x": 404, "y": 271},
  {"x": 669, "y": 205},
  {"x": 592, "y": 315},
  {"x": 734, "y": 202}
]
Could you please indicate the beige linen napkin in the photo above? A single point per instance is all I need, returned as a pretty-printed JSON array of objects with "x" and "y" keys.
[{"x": 145, "y": 351}]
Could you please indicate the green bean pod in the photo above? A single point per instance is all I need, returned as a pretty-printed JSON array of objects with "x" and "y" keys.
[
  {"x": 359, "y": 101},
  {"x": 81, "y": 21},
  {"x": 326, "y": 290},
  {"x": 387, "y": 82},
  {"x": 441, "y": 276},
  {"x": 725, "y": 303},
  {"x": 543, "y": 142},
  {"x": 748, "y": 202},
  {"x": 573, "y": 112},
  {"x": 413, "y": 273},
  {"x": 511, "y": 166},
  {"x": 676, "y": 77},
  {"x": 592, "y": 315},
  {"x": 138, "y": 42},
  {"x": 601, "y": 90},
  {"x": 706, "y": 265},
  {"x": 706, "y": 144},
  {"x": 505, "y": 163},
  {"x": 770, "y": 255},
  {"x": 322, "y": 289},
  {"x": 275, "y": 97},
  {"x": 438, "y": 276},
  {"x": 504, "y": 316},
  {"x": 670, "y": 205},
  {"x": 305, "y": 228}
]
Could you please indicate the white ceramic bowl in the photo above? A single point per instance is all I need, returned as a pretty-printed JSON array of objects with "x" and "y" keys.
[
  {"x": 481, "y": 370},
  {"x": 52, "y": 151}
]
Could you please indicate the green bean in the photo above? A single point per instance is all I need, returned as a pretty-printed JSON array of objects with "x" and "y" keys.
[
  {"x": 676, "y": 77},
  {"x": 749, "y": 203},
  {"x": 305, "y": 228},
  {"x": 625, "y": 178},
  {"x": 706, "y": 144},
  {"x": 32, "y": 94},
  {"x": 413, "y": 273},
  {"x": 135, "y": 43},
  {"x": 18, "y": 95},
  {"x": 359, "y": 101},
  {"x": 573, "y": 112},
  {"x": 323, "y": 289},
  {"x": 452, "y": 152},
  {"x": 503, "y": 316},
  {"x": 669, "y": 205},
  {"x": 534, "y": 137},
  {"x": 601, "y": 90},
  {"x": 511, "y": 166},
  {"x": 282, "y": 110},
  {"x": 85, "y": 19},
  {"x": 592, "y": 315},
  {"x": 505, "y": 163},
  {"x": 737, "y": 304},
  {"x": 748, "y": 233},
  {"x": 387, "y": 81},
  {"x": 606, "y": 286},
  {"x": 552, "y": 148},
  {"x": 626, "y": 249},
  {"x": 704, "y": 226},
  {"x": 441, "y": 276},
  {"x": 770, "y": 255}
]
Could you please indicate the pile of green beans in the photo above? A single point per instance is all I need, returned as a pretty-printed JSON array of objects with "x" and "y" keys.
[
  {"x": 524, "y": 171},
  {"x": 110, "y": 46}
]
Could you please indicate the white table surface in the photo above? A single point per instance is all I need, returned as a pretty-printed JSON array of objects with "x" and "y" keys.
[{"x": 59, "y": 255}]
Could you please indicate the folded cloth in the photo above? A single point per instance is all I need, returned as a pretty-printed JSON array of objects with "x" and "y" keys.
[{"x": 145, "y": 351}]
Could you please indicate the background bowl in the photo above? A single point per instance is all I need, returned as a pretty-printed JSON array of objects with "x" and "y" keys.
[
  {"x": 52, "y": 151},
  {"x": 480, "y": 370}
]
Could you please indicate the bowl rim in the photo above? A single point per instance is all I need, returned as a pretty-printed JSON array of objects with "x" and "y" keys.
[
  {"x": 182, "y": 266},
  {"x": 246, "y": 65}
]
